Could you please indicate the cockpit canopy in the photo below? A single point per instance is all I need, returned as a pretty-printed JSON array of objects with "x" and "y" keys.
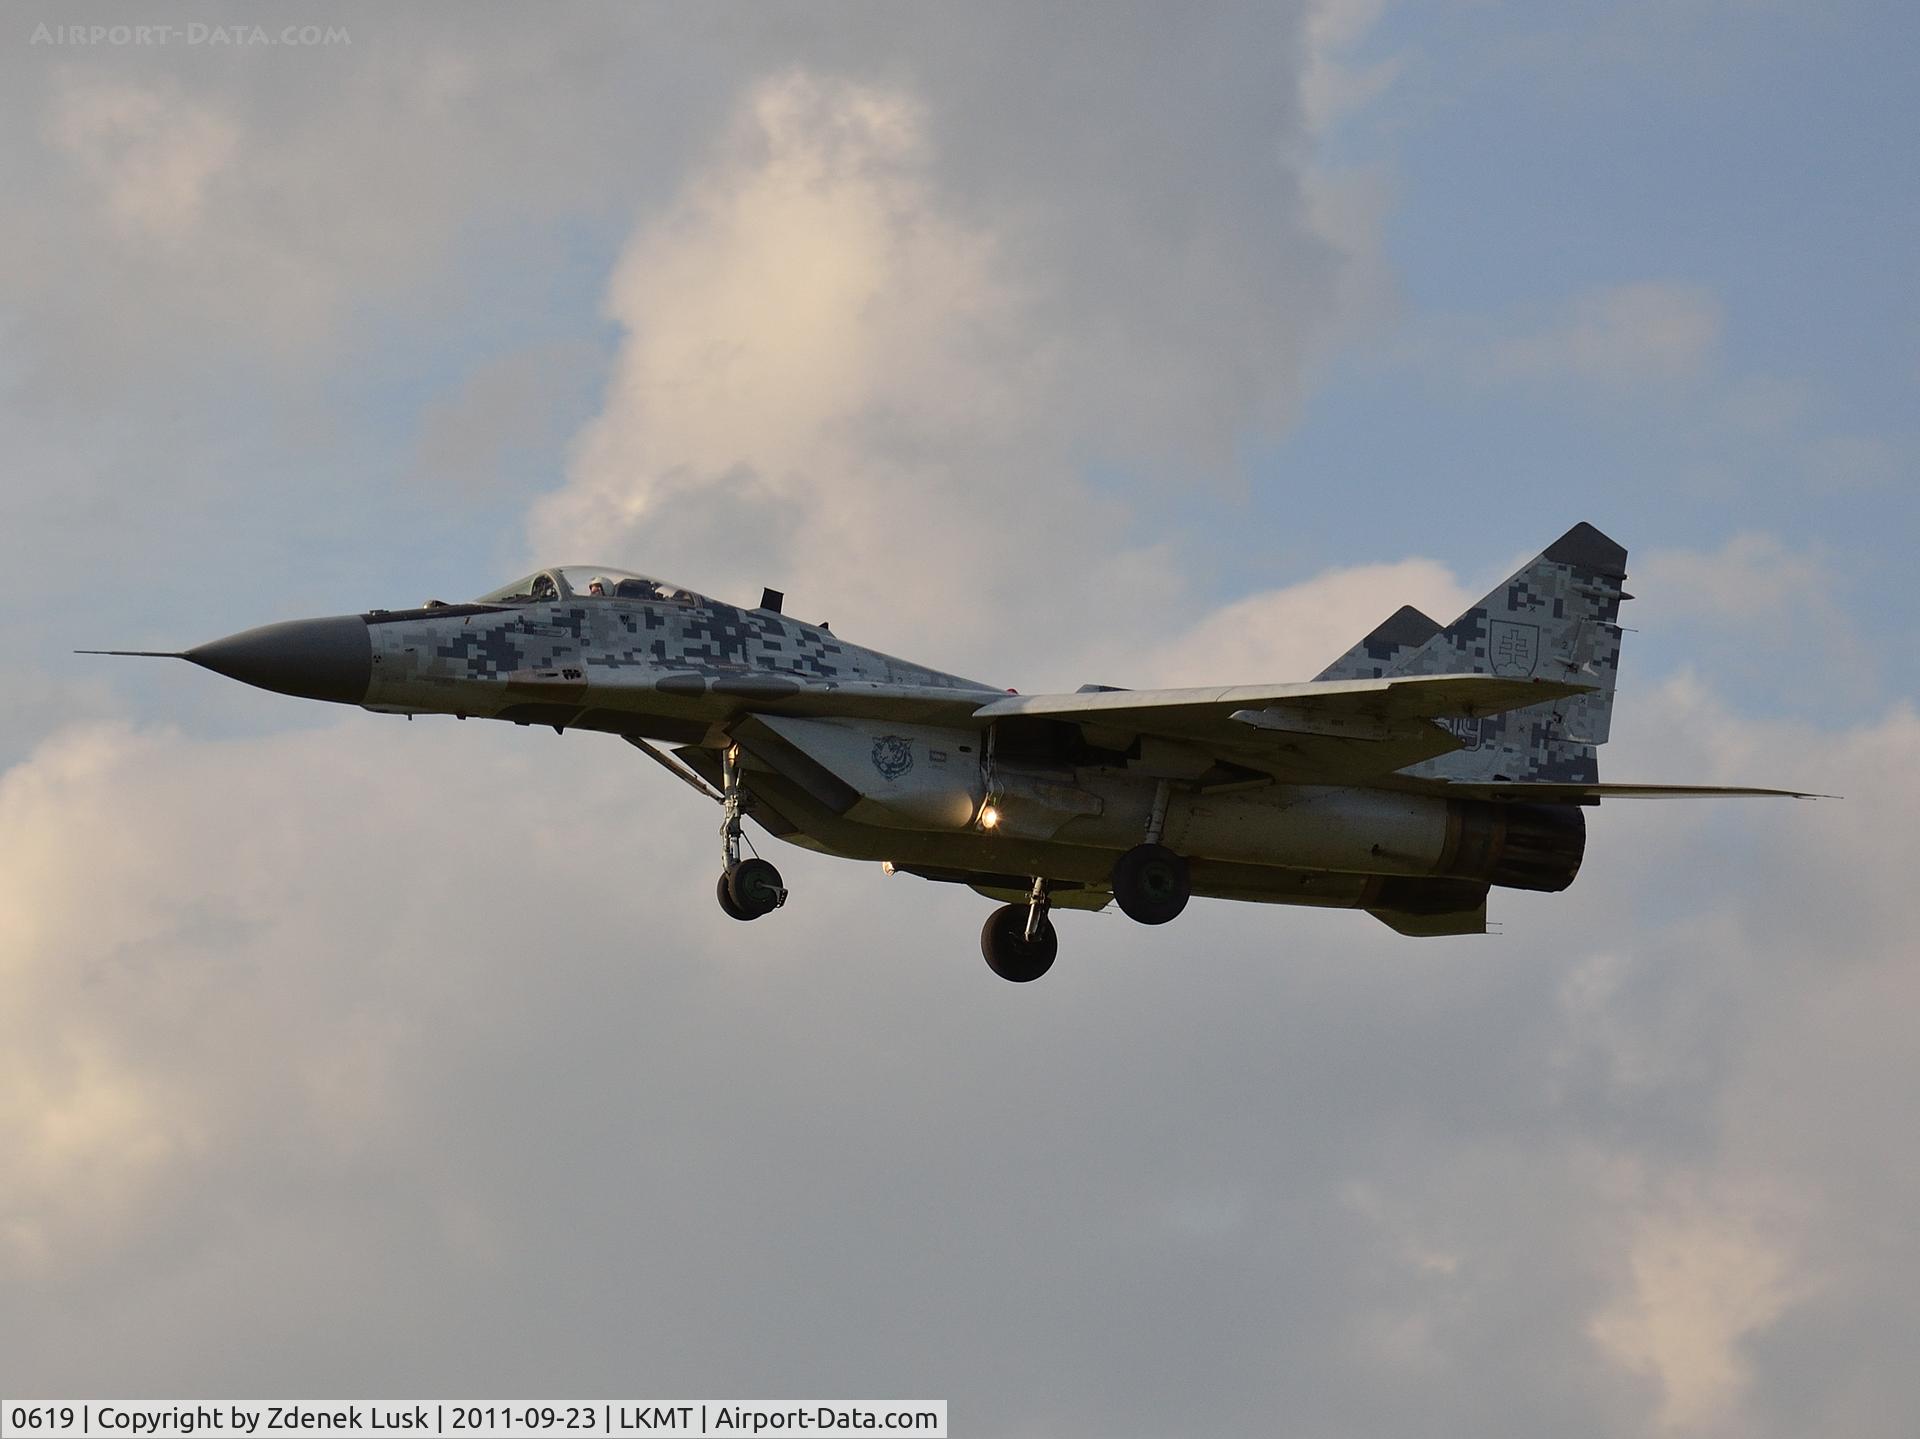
[{"x": 589, "y": 582}]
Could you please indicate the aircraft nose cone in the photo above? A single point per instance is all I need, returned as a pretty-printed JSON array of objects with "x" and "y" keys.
[{"x": 330, "y": 659}]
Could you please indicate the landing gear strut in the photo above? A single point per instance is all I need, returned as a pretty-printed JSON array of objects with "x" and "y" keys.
[
  {"x": 1019, "y": 940},
  {"x": 748, "y": 888}
]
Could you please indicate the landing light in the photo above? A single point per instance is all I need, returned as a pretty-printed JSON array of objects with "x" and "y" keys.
[{"x": 989, "y": 816}]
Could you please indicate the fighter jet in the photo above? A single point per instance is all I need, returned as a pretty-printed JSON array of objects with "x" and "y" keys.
[{"x": 1426, "y": 766}]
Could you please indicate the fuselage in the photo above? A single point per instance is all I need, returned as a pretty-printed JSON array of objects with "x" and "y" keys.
[{"x": 678, "y": 667}]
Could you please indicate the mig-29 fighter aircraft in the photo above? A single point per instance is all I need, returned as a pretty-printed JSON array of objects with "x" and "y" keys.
[{"x": 1425, "y": 766}]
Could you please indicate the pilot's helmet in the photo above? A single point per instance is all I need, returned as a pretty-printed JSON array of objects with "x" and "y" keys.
[{"x": 600, "y": 585}]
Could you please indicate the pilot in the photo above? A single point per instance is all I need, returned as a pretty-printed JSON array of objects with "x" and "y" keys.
[
  {"x": 600, "y": 585},
  {"x": 543, "y": 588}
]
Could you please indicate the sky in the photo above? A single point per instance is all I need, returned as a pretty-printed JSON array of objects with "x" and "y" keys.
[{"x": 1127, "y": 344}]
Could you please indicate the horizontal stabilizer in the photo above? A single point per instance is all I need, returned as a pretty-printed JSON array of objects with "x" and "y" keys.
[{"x": 1432, "y": 926}]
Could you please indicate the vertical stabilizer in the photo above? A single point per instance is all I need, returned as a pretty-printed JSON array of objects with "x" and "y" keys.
[
  {"x": 1556, "y": 618},
  {"x": 1391, "y": 641}
]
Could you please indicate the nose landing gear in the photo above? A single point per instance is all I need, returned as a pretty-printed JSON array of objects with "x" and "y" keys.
[{"x": 748, "y": 888}]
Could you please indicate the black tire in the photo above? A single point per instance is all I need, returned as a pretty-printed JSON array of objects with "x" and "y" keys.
[
  {"x": 1003, "y": 940},
  {"x": 755, "y": 888},
  {"x": 725, "y": 896},
  {"x": 1151, "y": 884}
]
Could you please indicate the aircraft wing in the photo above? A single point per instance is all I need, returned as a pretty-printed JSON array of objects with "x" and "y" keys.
[
  {"x": 1331, "y": 731},
  {"x": 1545, "y": 792}
]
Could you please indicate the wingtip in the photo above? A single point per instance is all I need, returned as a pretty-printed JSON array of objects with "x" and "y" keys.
[
  {"x": 1585, "y": 547},
  {"x": 1405, "y": 628}
]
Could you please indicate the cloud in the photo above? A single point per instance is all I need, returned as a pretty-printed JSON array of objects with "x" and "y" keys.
[
  {"x": 488, "y": 437},
  {"x": 149, "y": 153},
  {"x": 1701, "y": 1282},
  {"x": 838, "y": 377},
  {"x": 812, "y": 384},
  {"x": 1295, "y": 632},
  {"x": 1754, "y": 605},
  {"x": 1058, "y": 288},
  {"x": 1783, "y": 932},
  {"x": 267, "y": 203},
  {"x": 319, "y": 1038},
  {"x": 1643, "y": 333},
  {"x": 1628, "y": 336},
  {"x": 1753, "y": 578},
  {"x": 1334, "y": 87},
  {"x": 330, "y": 1048}
]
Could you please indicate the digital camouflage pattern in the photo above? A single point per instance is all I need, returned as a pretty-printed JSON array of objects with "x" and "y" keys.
[{"x": 1557, "y": 617}]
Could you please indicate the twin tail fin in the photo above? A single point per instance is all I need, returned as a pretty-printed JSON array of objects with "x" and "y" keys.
[{"x": 1556, "y": 617}]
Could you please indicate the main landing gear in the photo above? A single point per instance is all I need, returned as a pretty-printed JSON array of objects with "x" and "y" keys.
[
  {"x": 748, "y": 888},
  {"x": 1151, "y": 883},
  {"x": 1019, "y": 940}
]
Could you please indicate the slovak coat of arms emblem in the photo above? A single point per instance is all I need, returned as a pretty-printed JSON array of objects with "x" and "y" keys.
[
  {"x": 892, "y": 755},
  {"x": 1513, "y": 648}
]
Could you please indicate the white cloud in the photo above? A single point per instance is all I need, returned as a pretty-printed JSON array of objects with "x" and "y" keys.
[
  {"x": 1753, "y": 606},
  {"x": 1334, "y": 87},
  {"x": 1701, "y": 1281},
  {"x": 322, "y": 1038},
  {"x": 177, "y": 203},
  {"x": 839, "y": 379},
  {"x": 1753, "y": 578},
  {"x": 151, "y": 154},
  {"x": 822, "y": 382},
  {"x": 1294, "y": 633},
  {"x": 355, "y": 1000}
]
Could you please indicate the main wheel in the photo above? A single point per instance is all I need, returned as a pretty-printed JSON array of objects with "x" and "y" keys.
[
  {"x": 755, "y": 888},
  {"x": 1151, "y": 883},
  {"x": 725, "y": 896},
  {"x": 1009, "y": 953}
]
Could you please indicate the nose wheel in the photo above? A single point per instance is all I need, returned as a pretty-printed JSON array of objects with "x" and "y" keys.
[{"x": 748, "y": 888}]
